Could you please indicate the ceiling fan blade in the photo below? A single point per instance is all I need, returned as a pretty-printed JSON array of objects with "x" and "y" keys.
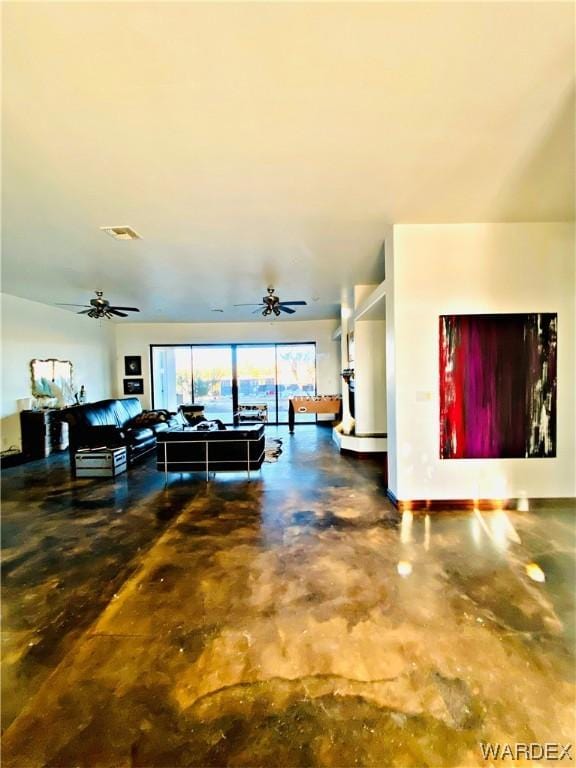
[
  {"x": 114, "y": 311},
  {"x": 126, "y": 309},
  {"x": 71, "y": 305},
  {"x": 84, "y": 311},
  {"x": 289, "y": 311},
  {"x": 293, "y": 303},
  {"x": 248, "y": 305}
]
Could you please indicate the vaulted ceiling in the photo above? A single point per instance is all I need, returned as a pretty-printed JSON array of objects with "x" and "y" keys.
[{"x": 269, "y": 143}]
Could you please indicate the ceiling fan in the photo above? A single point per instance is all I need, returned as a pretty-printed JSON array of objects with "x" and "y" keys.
[
  {"x": 272, "y": 304},
  {"x": 100, "y": 307}
]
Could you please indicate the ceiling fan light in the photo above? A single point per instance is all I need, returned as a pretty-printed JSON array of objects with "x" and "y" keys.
[
  {"x": 276, "y": 311},
  {"x": 122, "y": 232}
]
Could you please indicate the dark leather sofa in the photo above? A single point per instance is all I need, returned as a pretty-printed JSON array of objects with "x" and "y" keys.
[{"x": 116, "y": 423}]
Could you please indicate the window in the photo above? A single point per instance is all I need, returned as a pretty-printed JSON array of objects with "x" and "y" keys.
[{"x": 223, "y": 376}]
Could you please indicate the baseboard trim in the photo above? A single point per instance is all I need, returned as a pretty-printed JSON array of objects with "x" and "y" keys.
[
  {"x": 363, "y": 454},
  {"x": 450, "y": 505}
]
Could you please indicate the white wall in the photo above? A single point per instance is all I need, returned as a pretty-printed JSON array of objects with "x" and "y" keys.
[
  {"x": 32, "y": 330},
  {"x": 391, "y": 373},
  {"x": 136, "y": 338},
  {"x": 475, "y": 268},
  {"x": 370, "y": 376}
]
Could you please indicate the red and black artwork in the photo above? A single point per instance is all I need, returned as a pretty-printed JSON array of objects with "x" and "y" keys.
[{"x": 498, "y": 386}]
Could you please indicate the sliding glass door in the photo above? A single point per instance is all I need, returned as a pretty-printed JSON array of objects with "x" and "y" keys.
[
  {"x": 171, "y": 376},
  {"x": 223, "y": 376},
  {"x": 212, "y": 388},
  {"x": 256, "y": 374},
  {"x": 296, "y": 375}
]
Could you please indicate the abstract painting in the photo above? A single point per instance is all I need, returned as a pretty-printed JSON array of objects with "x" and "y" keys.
[{"x": 498, "y": 386}]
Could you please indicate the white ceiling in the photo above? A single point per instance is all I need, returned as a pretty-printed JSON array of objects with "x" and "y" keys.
[{"x": 255, "y": 144}]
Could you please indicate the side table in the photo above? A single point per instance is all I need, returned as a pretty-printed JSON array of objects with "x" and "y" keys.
[{"x": 42, "y": 433}]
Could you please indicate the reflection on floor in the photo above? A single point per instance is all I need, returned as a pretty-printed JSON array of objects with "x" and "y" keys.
[
  {"x": 296, "y": 620},
  {"x": 66, "y": 549}
]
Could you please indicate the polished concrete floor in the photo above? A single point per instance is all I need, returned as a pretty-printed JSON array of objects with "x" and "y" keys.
[{"x": 297, "y": 620}]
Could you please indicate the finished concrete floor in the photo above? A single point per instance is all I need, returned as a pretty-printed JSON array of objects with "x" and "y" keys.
[{"x": 296, "y": 620}]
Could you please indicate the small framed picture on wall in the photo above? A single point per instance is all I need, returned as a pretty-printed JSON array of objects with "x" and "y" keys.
[
  {"x": 133, "y": 365},
  {"x": 133, "y": 386}
]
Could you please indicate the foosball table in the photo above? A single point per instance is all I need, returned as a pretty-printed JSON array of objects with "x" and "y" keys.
[{"x": 314, "y": 404}]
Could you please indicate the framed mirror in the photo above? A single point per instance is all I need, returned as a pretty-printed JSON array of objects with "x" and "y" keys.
[{"x": 52, "y": 378}]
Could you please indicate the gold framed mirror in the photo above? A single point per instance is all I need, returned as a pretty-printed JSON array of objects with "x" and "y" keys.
[{"x": 52, "y": 378}]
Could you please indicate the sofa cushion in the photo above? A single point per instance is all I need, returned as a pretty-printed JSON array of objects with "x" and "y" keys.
[
  {"x": 104, "y": 413},
  {"x": 137, "y": 435},
  {"x": 191, "y": 413},
  {"x": 101, "y": 414},
  {"x": 161, "y": 426},
  {"x": 127, "y": 409},
  {"x": 255, "y": 432}
]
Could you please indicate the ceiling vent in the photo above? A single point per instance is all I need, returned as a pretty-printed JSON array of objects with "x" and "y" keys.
[{"x": 122, "y": 233}]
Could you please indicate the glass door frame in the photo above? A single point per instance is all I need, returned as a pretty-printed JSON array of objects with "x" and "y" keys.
[
  {"x": 234, "y": 346},
  {"x": 193, "y": 348},
  {"x": 235, "y": 374}
]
